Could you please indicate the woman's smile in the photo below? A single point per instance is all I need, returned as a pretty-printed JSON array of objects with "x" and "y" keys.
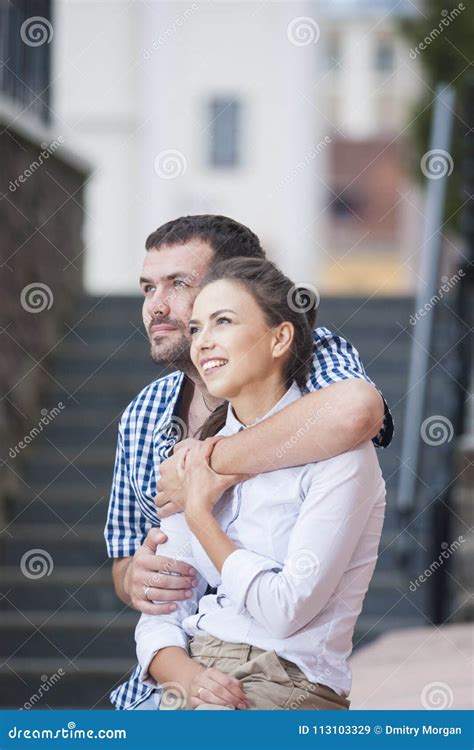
[{"x": 210, "y": 366}]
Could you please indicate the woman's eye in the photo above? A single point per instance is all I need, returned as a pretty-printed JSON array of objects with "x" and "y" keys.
[
  {"x": 192, "y": 330},
  {"x": 222, "y": 319}
]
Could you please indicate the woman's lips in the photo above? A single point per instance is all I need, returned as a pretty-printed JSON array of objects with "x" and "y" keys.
[{"x": 210, "y": 366}]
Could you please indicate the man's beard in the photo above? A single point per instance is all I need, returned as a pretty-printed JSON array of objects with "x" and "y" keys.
[{"x": 172, "y": 353}]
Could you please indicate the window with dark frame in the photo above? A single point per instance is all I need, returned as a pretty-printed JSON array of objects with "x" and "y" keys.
[{"x": 224, "y": 116}]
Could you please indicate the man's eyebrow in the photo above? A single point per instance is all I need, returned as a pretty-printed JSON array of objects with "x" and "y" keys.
[
  {"x": 215, "y": 314},
  {"x": 169, "y": 277}
]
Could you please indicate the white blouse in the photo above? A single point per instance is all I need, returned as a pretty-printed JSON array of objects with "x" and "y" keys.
[{"x": 308, "y": 538}]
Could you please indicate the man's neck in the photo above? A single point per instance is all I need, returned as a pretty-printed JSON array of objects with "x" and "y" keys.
[{"x": 196, "y": 404}]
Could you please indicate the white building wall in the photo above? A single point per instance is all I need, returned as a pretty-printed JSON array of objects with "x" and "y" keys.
[{"x": 134, "y": 81}]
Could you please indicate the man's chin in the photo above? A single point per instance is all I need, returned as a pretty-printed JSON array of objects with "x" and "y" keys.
[{"x": 177, "y": 358}]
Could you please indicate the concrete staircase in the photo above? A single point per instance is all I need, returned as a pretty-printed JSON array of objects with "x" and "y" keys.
[{"x": 69, "y": 622}]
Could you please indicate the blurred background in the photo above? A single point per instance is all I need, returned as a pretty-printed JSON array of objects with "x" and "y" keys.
[{"x": 340, "y": 131}]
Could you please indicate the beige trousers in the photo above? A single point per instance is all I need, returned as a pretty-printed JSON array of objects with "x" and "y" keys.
[{"x": 269, "y": 681}]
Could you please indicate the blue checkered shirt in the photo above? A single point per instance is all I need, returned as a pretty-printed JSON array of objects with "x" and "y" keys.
[{"x": 147, "y": 434}]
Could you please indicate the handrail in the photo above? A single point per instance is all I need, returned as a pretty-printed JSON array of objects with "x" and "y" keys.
[{"x": 440, "y": 142}]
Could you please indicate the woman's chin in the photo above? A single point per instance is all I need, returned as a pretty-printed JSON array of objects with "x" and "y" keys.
[{"x": 219, "y": 387}]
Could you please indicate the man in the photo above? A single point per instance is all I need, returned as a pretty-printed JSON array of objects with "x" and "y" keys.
[{"x": 341, "y": 409}]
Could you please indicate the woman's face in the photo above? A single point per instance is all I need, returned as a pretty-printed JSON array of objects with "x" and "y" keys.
[{"x": 231, "y": 345}]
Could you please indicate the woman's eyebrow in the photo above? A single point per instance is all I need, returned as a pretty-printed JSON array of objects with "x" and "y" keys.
[
  {"x": 218, "y": 312},
  {"x": 213, "y": 315}
]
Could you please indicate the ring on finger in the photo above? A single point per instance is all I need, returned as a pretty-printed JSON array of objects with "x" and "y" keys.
[
  {"x": 145, "y": 592},
  {"x": 199, "y": 692}
]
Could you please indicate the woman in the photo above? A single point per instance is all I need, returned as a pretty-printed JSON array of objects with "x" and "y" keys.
[{"x": 290, "y": 552}]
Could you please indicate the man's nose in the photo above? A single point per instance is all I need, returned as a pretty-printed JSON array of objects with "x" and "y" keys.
[{"x": 160, "y": 305}]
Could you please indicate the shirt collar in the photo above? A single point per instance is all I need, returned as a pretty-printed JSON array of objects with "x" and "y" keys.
[{"x": 233, "y": 425}]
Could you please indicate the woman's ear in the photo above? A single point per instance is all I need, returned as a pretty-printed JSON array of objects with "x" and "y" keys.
[{"x": 282, "y": 338}]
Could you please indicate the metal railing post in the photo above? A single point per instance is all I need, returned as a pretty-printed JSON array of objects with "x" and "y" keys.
[{"x": 440, "y": 141}]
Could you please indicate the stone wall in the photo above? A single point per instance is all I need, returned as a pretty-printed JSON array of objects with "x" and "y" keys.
[{"x": 41, "y": 261}]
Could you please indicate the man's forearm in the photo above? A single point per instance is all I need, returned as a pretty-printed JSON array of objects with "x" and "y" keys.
[
  {"x": 119, "y": 575},
  {"x": 316, "y": 427}
]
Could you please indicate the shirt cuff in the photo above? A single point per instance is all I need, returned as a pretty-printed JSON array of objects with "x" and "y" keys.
[
  {"x": 149, "y": 645},
  {"x": 239, "y": 571}
]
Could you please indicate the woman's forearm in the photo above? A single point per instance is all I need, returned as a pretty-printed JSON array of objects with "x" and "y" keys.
[
  {"x": 174, "y": 664},
  {"x": 318, "y": 426},
  {"x": 215, "y": 541}
]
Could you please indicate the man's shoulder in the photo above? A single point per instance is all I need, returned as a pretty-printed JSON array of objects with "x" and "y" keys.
[{"x": 153, "y": 396}]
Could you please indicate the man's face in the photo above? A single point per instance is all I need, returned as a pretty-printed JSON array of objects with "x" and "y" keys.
[{"x": 170, "y": 281}]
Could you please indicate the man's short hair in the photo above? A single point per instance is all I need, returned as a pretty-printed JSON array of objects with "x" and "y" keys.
[{"x": 227, "y": 237}]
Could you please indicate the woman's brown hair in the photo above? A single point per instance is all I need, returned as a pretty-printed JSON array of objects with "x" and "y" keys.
[{"x": 280, "y": 301}]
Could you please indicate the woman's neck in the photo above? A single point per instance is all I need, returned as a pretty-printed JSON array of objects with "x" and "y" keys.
[{"x": 256, "y": 399}]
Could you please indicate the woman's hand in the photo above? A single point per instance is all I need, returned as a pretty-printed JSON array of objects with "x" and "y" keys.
[
  {"x": 202, "y": 486},
  {"x": 210, "y": 685},
  {"x": 169, "y": 498}
]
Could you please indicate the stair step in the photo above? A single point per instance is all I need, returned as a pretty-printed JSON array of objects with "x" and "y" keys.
[
  {"x": 86, "y": 544},
  {"x": 68, "y": 634},
  {"x": 86, "y": 685},
  {"x": 68, "y": 589}
]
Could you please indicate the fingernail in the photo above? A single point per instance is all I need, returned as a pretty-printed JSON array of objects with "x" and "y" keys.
[
  {"x": 172, "y": 607},
  {"x": 195, "y": 581},
  {"x": 192, "y": 572},
  {"x": 188, "y": 594}
]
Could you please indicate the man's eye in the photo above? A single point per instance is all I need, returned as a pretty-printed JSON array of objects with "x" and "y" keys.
[
  {"x": 179, "y": 284},
  {"x": 148, "y": 288}
]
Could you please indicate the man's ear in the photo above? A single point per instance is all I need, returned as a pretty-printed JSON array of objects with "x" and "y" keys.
[{"x": 282, "y": 338}]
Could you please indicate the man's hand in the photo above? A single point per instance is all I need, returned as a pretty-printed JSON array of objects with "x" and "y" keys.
[
  {"x": 169, "y": 499},
  {"x": 146, "y": 570}
]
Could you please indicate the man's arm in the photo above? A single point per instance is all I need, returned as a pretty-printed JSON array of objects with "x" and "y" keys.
[
  {"x": 120, "y": 567},
  {"x": 132, "y": 545},
  {"x": 314, "y": 428}
]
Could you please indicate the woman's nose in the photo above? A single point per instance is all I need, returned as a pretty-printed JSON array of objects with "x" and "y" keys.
[{"x": 204, "y": 341}]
